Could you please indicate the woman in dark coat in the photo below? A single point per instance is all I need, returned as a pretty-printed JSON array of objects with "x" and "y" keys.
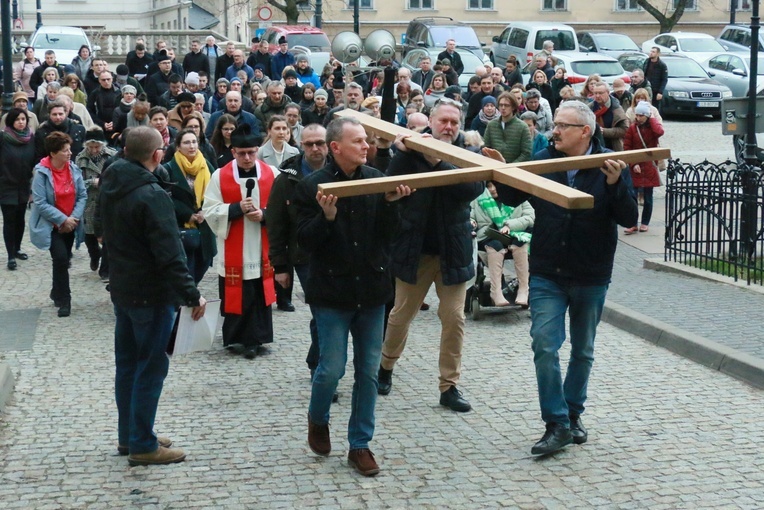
[{"x": 16, "y": 165}]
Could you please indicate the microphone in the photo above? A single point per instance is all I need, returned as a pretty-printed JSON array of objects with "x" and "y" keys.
[{"x": 250, "y": 184}]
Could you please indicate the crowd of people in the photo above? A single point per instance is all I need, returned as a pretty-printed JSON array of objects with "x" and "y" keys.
[{"x": 166, "y": 169}]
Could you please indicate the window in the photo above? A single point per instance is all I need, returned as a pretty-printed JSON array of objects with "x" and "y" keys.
[
  {"x": 421, "y": 4},
  {"x": 743, "y": 5},
  {"x": 480, "y": 4},
  {"x": 626, "y": 5},
  {"x": 519, "y": 38},
  {"x": 557, "y": 5},
  {"x": 362, "y": 4},
  {"x": 692, "y": 5}
]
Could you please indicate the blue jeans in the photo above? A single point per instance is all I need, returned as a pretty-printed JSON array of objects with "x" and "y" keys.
[
  {"x": 549, "y": 301},
  {"x": 366, "y": 325},
  {"x": 313, "y": 352},
  {"x": 140, "y": 344}
]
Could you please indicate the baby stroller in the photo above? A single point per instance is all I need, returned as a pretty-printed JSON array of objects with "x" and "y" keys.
[{"x": 479, "y": 293}]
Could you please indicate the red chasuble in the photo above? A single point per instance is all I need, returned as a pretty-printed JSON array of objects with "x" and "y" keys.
[{"x": 234, "y": 244}]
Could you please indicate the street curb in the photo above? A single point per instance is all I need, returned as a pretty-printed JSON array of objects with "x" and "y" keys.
[
  {"x": 729, "y": 361},
  {"x": 6, "y": 384},
  {"x": 677, "y": 268}
]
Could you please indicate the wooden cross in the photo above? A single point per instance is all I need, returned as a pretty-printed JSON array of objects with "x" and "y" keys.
[
  {"x": 525, "y": 176},
  {"x": 233, "y": 276}
]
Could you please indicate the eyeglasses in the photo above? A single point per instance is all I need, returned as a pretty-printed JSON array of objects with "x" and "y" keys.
[
  {"x": 563, "y": 126},
  {"x": 448, "y": 101},
  {"x": 163, "y": 148},
  {"x": 504, "y": 105},
  {"x": 319, "y": 143}
]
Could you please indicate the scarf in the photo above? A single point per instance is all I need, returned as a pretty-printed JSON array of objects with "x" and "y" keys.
[
  {"x": 165, "y": 136},
  {"x": 14, "y": 137},
  {"x": 601, "y": 111},
  {"x": 485, "y": 119},
  {"x": 197, "y": 168},
  {"x": 131, "y": 103},
  {"x": 499, "y": 213}
]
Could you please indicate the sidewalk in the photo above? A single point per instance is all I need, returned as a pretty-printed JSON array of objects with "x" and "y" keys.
[{"x": 697, "y": 314}]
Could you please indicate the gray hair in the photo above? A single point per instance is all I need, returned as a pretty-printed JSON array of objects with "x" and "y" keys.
[
  {"x": 582, "y": 111},
  {"x": 199, "y": 96},
  {"x": 639, "y": 72},
  {"x": 601, "y": 84},
  {"x": 56, "y": 86},
  {"x": 336, "y": 128},
  {"x": 532, "y": 93},
  {"x": 273, "y": 84},
  {"x": 530, "y": 115}
]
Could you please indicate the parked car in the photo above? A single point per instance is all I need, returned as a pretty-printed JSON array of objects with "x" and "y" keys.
[
  {"x": 689, "y": 90},
  {"x": 470, "y": 61},
  {"x": 309, "y": 37},
  {"x": 524, "y": 39},
  {"x": 607, "y": 43},
  {"x": 65, "y": 41},
  {"x": 432, "y": 32},
  {"x": 733, "y": 70},
  {"x": 738, "y": 38},
  {"x": 695, "y": 45},
  {"x": 580, "y": 65}
]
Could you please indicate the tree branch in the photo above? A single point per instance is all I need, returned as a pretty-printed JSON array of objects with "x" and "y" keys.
[{"x": 283, "y": 7}]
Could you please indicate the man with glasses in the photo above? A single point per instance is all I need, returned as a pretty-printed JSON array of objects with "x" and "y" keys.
[
  {"x": 102, "y": 102},
  {"x": 286, "y": 256},
  {"x": 148, "y": 280},
  {"x": 433, "y": 245},
  {"x": 611, "y": 118},
  {"x": 234, "y": 207},
  {"x": 570, "y": 269},
  {"x": 508, "y": 134}
]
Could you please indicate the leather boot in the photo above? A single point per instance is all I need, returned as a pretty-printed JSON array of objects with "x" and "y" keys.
[
  {"x": 520, "y": 257},
  {"x": 495, "y": 270}
]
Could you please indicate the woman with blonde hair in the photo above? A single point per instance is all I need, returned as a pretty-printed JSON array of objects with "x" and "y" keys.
[
  {"x": 642, "y": 95},
  {"x": 48, "y": 76},
  {"x": 437, "y": 88},
  {"x": 588, "y": 90}
]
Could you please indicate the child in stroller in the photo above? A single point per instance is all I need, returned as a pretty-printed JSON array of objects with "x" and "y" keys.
[{"x": 499, "y": 230}]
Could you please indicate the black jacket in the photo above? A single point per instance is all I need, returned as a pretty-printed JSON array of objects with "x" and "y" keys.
[
  {"x": 156, "y": 85},
  {"x": 74, "y": 129},
  {"x": 16, "y": 164},
  {"x": 102, "y": 103},
  {"x": 195, "y": 62},
  {"x": 656, "y": 74},
  {"x": 137, "y": 65},
  {"x": 456, "y": 61},
  {"x": 349, "y": 256},
  {"x": 222, "y": 65},
  {"x": 147, "y": 265},
  {"x": 577, "y": 246},
  {"x": 435, "y": 221},
  {"x": 284, "y": 251},
  {"x": 36, "y": 79}
]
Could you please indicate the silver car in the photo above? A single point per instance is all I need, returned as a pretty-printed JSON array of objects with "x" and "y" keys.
[{"x": 734, "y": 70}]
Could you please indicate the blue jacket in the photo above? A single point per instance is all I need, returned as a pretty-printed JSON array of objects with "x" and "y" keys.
[
  {"x": 44, "y": 213},
  {"x": 231, "y": 72},
  {"x": 577, "y": 246},
  {"x": 242, "y": 116},
  {"x": 278, "y": 62},
  {"x": 309, "y": 76}
]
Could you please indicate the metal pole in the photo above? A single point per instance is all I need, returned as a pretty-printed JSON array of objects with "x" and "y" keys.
[
  {"x": 749, "y": 174},
  {"x": 356, "y": 27},
  {"x": 319, "y": 13},
  {"x": 5, "y": 14},
  {"x": 750, "y": 147},
  {"x": 39, "y": 14},
  {"x": 733, "y": 7},
  {"x": 15, "y": 9}
]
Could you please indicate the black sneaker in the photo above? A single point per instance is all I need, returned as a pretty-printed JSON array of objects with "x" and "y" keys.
[
  {"x": 12, "y": 264},
  {"x": 555, "y": 438},
  {"x": 65, "y": 310},
  {"x": 452, "y": 398},
  {"x": 577, "y": 429},
  {"x": 385, "y": 378}
]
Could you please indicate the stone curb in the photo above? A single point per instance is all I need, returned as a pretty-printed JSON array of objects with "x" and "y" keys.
[
  {"x": 675, "y": 267},
  {"x": 689, "y": 345},
  {"x": 6, "y": 384}
]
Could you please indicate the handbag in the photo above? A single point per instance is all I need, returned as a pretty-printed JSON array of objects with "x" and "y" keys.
[{"x": 191, "y": 238}]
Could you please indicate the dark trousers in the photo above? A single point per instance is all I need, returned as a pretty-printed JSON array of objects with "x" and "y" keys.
[
  {"x": 284, "y": 296},
  {"x": 140, "y": 344},
  {"x": 313, "y": 351},
  {"x": 60, "y": 253},
  {"x": 197, "y": 266},
  {"x": 13, "y": 227}
]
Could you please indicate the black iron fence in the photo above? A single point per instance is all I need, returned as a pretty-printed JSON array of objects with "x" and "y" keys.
[{"x": 714, "y": 218}]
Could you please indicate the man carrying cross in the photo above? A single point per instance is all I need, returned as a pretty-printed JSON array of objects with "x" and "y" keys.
[
  {"x": 570, "y": 267},
  {"x": 234, "y": 207}
]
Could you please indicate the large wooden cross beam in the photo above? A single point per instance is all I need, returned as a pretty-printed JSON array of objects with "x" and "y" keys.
[{"x": 525, "y": 176}]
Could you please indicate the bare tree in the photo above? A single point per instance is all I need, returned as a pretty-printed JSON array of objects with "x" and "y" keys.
[
  {"x": 290, "y": 8},
  {"x": 667, "y": 22}
]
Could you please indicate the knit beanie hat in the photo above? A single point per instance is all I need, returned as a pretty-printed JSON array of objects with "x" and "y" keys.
[{"x": 643, "y": 108}]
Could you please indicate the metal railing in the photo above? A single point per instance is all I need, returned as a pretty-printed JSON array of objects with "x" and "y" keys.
[{"x": 714, "y": 218}]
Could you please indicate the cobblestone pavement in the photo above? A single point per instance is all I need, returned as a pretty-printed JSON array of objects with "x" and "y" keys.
[{"x": 664, "y": 432}]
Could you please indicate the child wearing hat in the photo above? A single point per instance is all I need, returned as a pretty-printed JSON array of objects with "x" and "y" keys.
[
  {"x": 643, "y": 133},
  {"x": 488, "y": 112}
]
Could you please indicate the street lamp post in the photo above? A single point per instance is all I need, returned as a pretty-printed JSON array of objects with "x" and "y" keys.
[
  {"x": 356, "y": 27},
  {"x": 39, "y": 14},
  {"x": 5, "y": 23}
]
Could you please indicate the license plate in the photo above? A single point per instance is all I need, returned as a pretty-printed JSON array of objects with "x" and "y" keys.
[{"x": 707, "y": 104}]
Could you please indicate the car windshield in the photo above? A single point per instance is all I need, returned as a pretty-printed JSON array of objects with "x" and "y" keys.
[
  {"x": 562, "y": 39},
  {"x": 759, "y": 69},
  {"x": 700, "y": 45},
  {"x": 587, "y": 67},
  {"x": 314, "y": 42},
  {"x": 60, "y": 41},
  {"x": 684, "y": 68},
  {"x": 616, "y": 42},
  {"x": 463, "y": 35}
]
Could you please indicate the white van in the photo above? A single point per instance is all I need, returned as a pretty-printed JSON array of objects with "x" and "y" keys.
[{"x": 524, "y": 39}]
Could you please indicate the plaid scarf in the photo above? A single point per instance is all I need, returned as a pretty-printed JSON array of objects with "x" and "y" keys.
[{"x": 499, "y": 213}]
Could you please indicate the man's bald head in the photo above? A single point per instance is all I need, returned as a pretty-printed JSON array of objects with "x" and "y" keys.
[{"x": 142, "y": 145}]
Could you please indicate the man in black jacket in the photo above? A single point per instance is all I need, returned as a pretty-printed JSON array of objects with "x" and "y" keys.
[
  {"x": 285, "y": 254},
  {"x": 58, "y": 121},
  {"x": 453, "y": 56},
  {"x": 159, "y": 82},
  {"x": 434, "y": 245},
  {"x": 571, "y": 267},
  {"x": 148, "y": 280},
  {"x": 102, "y": 102},
  {"x": 348, "y": 241},
  {"x": 195, "y": 60},
  {"x": 656, "y": 74},
  {"x": 50, "y": 61}
]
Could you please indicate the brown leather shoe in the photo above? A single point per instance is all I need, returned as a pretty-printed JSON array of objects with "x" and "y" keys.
[
  {"x": 318, "y": 438},
  {"x": 163, "y": 441},
  {"x": 362, "y": 460},
  {"x": 161, "y": 455}
]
